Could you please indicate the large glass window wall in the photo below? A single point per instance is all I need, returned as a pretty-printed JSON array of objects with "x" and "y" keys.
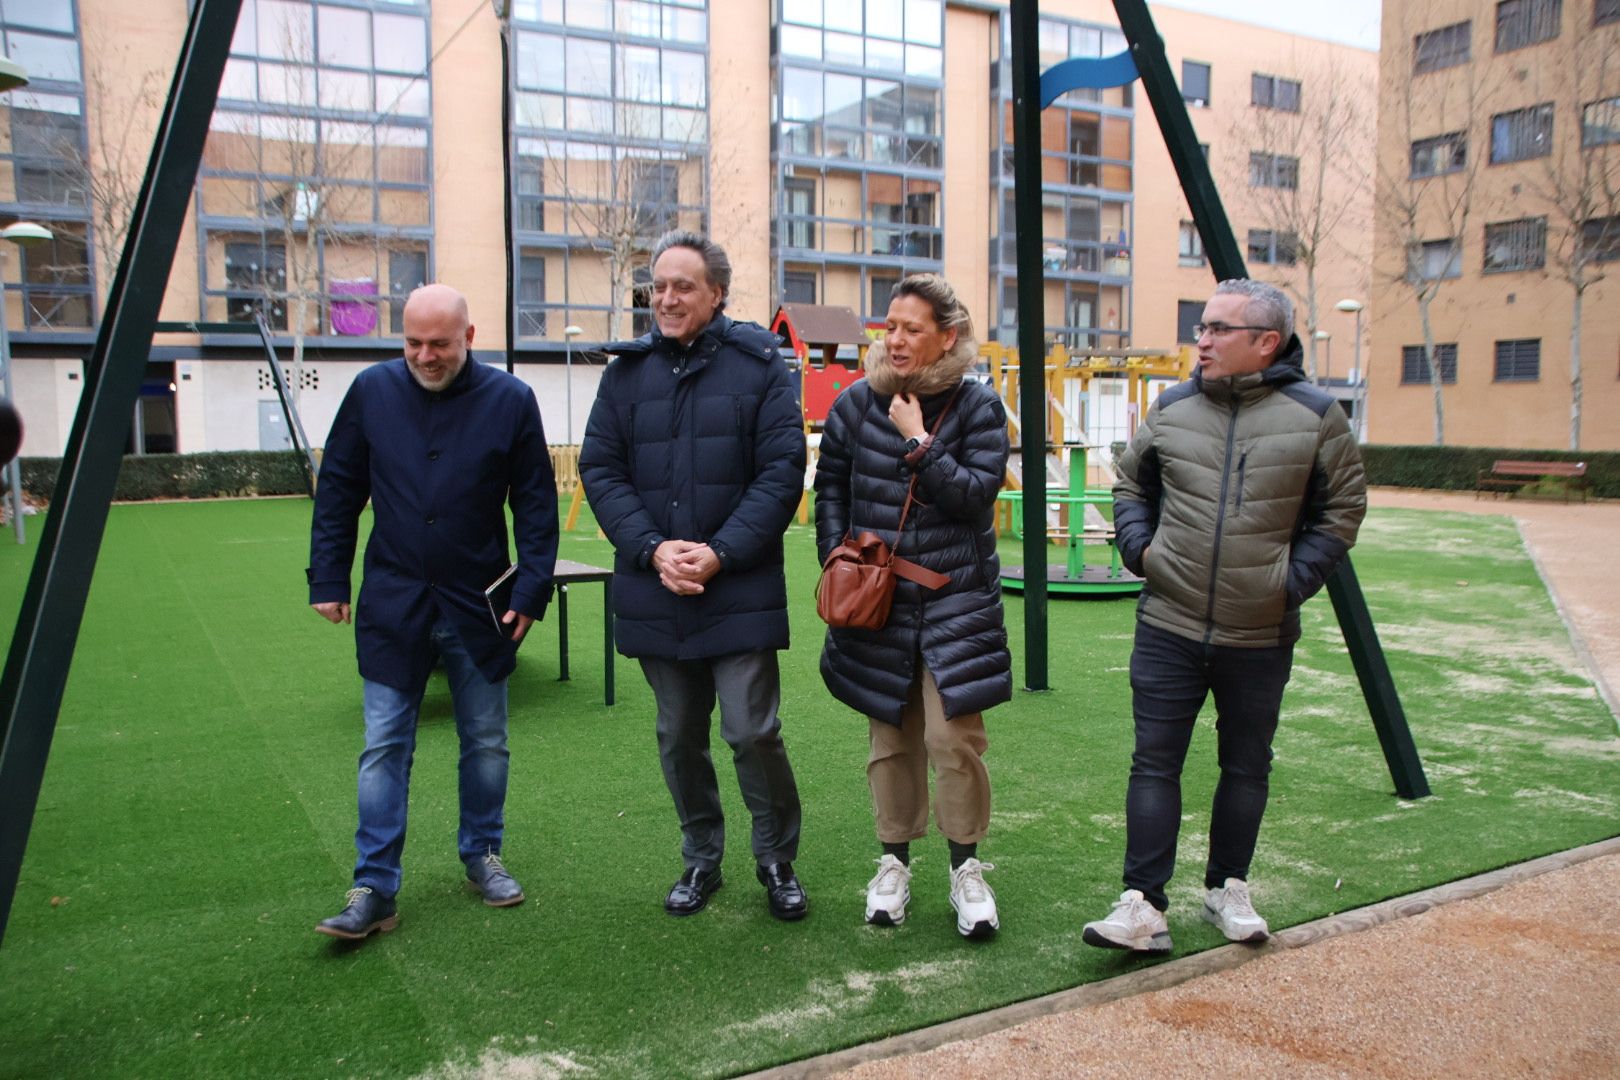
[
  {"x": 611, "y": 150},
  {"x": 45, "y": 170},
  {"x": 315, "y": 193},
  {"x": 858, "y": 149},
  {"x": 1087, "y": 153}
]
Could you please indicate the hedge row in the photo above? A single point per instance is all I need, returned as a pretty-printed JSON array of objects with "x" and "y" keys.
[
  {"x": 187, "y": 476},
  {"x": 1457, "y": 468},
  {"x": 281, "y": 472}
]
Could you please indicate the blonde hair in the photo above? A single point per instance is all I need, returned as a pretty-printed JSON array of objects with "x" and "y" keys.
[{"x": 949, "y": 312}]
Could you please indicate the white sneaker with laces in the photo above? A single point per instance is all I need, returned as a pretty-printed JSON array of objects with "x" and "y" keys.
[
  {"x": 1133, "y": 924},
  {"x": 888, "y": 893},
  {"x": 974, "y": 901},
  {"x": 1230, "y": 909}
]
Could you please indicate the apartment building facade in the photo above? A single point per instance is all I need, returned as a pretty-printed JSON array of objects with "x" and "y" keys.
[
  {"x": 1497, "y": 262},
  {"x": 357, "y": 151}
]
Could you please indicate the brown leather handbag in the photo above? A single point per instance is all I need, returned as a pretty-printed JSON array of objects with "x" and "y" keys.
[{"x": 856, "y": 589}]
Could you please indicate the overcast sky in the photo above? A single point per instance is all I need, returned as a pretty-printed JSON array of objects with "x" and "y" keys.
[{"x": 1353, "y": 22}]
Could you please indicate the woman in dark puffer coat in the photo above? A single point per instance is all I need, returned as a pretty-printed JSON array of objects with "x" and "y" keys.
[{"x": 926, "y": 677}]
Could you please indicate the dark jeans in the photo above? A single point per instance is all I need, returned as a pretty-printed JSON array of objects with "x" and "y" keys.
[
  {"x": 1170, "y": 678},
  {"x": 748, "y": 688}
]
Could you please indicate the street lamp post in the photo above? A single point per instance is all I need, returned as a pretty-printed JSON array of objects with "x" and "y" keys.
[
  {"x": 22, "y": 234},
  {"x": 570, "y": 332},
  {"x": 1323, "y": 335},
  {"x": 1360, "y": 378}
]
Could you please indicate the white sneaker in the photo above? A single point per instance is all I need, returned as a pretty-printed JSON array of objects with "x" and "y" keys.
[
  {"x": 1230, "y": 909},
  {"x": 888, "y": 893},
  {"x": 1133, "y": 924},
  {"x": 973, "y": 900}
]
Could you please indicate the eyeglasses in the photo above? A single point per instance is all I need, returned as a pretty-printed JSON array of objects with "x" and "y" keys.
[{"x": 1217, "y": 329}]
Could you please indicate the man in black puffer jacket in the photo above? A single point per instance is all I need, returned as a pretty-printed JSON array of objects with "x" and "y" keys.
[
  {"x": 1239, "y": 495},
  {"x": 693, "y": 461}
]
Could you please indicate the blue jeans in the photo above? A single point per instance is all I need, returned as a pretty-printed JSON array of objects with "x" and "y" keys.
[
  {"x": 385, "y": 765},
  {"x": 1170, "y": 678}
]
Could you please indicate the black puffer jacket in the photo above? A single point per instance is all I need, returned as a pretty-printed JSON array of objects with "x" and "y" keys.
[
  {"x": 704, "y": 443},
  {"x": 861, "y": 481}
]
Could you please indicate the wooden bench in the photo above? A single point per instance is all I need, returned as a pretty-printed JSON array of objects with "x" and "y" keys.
[{"x": 1512, "y": 476}]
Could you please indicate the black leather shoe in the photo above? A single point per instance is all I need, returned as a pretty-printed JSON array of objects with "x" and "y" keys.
[
  {"x": 692, "y": 891},
  {"x": 365, "y": 914},
  {"x": 783, "y": 891}
]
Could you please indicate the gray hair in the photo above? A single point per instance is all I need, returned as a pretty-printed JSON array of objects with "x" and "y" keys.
[
  {"x": 1268, "y": 305},
  {"x": 949, "y": 312},
  {"x": 716, "y": 264}
]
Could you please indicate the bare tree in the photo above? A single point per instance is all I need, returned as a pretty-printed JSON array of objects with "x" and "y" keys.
[
  {"x": 123, "y": 113},
  {"x": 314, "y": 179},
  {"x": 1306, "y": 175},
  {"x": 1426, "y": 199},
  {"x": 1580, "y": 180}
]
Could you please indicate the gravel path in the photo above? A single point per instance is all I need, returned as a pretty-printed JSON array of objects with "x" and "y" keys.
[{"x": 1523, "y": 981}]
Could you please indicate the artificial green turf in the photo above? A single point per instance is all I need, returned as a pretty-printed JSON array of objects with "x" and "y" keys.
[{"x": 197, "y": 815}]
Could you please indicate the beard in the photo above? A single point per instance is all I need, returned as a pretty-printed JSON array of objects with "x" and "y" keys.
[{"x": 435, "y": 385}]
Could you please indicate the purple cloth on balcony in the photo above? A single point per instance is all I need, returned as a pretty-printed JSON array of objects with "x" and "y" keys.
[{"x": 356, "y": 318}]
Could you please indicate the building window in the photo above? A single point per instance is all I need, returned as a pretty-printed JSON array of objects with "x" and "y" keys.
[
  {"x": 531, "y": 295},
  {"x": 1600, "y": 122},
  {"x": 1518, "y": 361},
  {"x": 1189, "y": 313},
  {"x": 1522, "y": 134},
  {"x": 1442, "y": 48},
  {"x": 1415, "y": 366},
  {"x": 800, "y": 210},
  {"x": 881, "y": 288},
  {"x": 1600, "y": 239},
  {"x": 1274, "y": 170},
  {"x": 407, "y": 270},
  {"x": 1516, "y": 245},
  {"x": 56, "y": 278},
  {"x": 45, "y": 165},
  {"x": 798, "y": 287},
  {"x": 1433, "y": 259},
  {"x": 255, "y": 282},
  {"x": 1605, "y": 12},
  {"x": 1441, "y": 154},
  {"x": 1195, "y": 83},
  {"x": 1526, "y": 22},
  {"x": 1191, "y": 245},
  {"x": 1273, "y": 247},
  {"x": 1274, "y": 92}
]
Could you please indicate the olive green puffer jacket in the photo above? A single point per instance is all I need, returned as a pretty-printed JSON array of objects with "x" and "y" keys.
[{"x": 1249, "y": 491}]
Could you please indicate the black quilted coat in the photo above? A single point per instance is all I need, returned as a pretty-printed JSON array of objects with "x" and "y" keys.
[
  {"x": 861, "y": 479},
  {"x": 705, "y": 444}
]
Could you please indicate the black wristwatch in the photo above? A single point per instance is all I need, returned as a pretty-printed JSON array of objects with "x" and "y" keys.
[{"x": 911, "y": 446}]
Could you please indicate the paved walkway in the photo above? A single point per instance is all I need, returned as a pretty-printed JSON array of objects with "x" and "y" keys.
[{"x": 1522, "y": 980}]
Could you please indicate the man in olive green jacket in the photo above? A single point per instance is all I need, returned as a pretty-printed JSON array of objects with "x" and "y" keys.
[{"x": 1238, "y": 496}]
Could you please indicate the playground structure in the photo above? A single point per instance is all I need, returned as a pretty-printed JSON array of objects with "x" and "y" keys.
[{"x": 1086, "y": 427}]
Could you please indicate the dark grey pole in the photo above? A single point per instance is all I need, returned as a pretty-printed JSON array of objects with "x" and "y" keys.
[
  {"x": 1026, "y": 78},
  {"x": 41, "y": 651}
]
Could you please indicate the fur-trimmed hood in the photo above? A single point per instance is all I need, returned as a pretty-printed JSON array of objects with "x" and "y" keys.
[{"x": 937, "y": 377}]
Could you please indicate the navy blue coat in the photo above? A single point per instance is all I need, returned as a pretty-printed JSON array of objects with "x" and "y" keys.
[
  {"x": 703, "y": 444},
  {"x": 438, "y": 469}
]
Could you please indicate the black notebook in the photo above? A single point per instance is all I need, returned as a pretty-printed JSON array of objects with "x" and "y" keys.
[{"x": 498, "y": 596}]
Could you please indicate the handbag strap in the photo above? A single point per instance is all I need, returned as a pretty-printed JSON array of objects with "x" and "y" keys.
[{"x": 911, "y": 491}]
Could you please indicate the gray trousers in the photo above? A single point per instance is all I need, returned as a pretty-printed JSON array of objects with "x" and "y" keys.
[{"x": 749, "y": 689}]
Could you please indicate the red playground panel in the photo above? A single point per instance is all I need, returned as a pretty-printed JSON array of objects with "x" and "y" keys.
[{"x": 821, "y": 386}]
